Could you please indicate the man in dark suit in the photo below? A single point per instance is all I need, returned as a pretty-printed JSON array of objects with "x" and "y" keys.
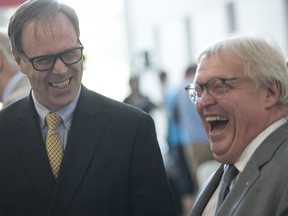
[
  {"x": 241, "y": 94},
  {"x": 110, "y": 161}
]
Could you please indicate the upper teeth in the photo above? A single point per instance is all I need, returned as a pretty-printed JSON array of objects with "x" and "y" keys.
[
  {"x": 59, "y": 84},
  {"x": 216, "y": 118}
]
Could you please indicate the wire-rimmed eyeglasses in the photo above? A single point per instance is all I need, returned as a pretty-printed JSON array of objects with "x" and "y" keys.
[
  {"x": 47, "y": 62},
  {"x": 215, "y": 87}
]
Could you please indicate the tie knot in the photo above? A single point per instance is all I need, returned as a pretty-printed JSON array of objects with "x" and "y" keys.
[
  {"x": 53, "y": 120},
  {"x": 230, "y": 173}
]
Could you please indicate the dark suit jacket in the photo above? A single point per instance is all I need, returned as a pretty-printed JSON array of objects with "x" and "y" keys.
[
  {"x": 262, "y": 187},
  {"x": 112, "y": 164}
]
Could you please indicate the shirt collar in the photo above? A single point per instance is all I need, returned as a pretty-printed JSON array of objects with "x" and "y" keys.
[
  {"x": 256, "y": 142},
  {"x": 65, "y": 113}
]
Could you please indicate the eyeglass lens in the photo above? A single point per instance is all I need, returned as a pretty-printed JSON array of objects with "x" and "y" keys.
[{"x": 47, "y": 62}]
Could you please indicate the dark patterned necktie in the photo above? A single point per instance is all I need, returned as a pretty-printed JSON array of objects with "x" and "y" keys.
[
  {"x": 226, "y": 180},
  {"x": 53, "y": 143}
]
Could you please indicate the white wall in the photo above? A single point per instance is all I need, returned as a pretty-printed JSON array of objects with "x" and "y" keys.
[
  {"x": 267, "y": 16},
  {"x": 160, "y": 26}
]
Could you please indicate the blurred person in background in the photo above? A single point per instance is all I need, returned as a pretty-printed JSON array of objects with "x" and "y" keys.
[
  {"x": 66, "y": 150},
  {"x": 196, "y": 143},
  {"x": 13, "y": 84},
  {"x": 137, "y": 98},
  {"x": 241, "y": 94},
  {"x": 177, "y": 167}
]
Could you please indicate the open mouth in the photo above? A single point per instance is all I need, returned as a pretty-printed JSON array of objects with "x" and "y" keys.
[
  {"x": 62, "y": 84},
  {"x": 216, "y": 122}
]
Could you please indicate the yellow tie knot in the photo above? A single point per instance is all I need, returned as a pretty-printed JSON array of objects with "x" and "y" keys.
[{"x": 53, "y": 120}]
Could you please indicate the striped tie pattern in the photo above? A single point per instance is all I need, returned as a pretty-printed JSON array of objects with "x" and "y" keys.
[{"x": 53, "y": 143}]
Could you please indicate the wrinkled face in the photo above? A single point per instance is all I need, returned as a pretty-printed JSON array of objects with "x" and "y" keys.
[
  {"x": 57, "y": 87},
  {"x": 236, "y": 118}
]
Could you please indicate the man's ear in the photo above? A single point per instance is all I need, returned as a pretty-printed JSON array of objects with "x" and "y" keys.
[
  {"x": 273, "y": 93},
  {"x": 18, "y": 60},
  {"x": 16, "y": 57}
]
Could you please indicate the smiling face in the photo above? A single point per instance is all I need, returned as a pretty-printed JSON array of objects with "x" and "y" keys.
[
  {"x": 236, "y": 118},
  {"x": 57, "y": 87}
]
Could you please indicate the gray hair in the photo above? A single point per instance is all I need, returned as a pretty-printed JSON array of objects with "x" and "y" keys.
[
  {"x": 37, "y": 11},
  {"x": 263, "y": 60}
]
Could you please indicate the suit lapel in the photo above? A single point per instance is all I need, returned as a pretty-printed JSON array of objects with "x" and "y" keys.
[
  {"x": 86, "y": 131},
  {"x": 252, "y": 171},
  {"x": 206, "y": 192},
  {"x": 30, "y": 146},
  {"x": 246, "y": 179}
]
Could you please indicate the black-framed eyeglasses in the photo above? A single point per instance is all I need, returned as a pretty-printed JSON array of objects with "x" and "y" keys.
[
  {"x": 47, "y": 62},
  {"x": 215, "y": 87}
]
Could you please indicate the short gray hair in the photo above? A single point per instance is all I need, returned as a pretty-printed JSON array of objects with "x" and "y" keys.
[{"x": 262, "y": 58}]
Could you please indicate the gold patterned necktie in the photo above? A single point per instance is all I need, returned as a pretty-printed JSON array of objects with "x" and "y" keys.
[{"x": 53, "y": 143}]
